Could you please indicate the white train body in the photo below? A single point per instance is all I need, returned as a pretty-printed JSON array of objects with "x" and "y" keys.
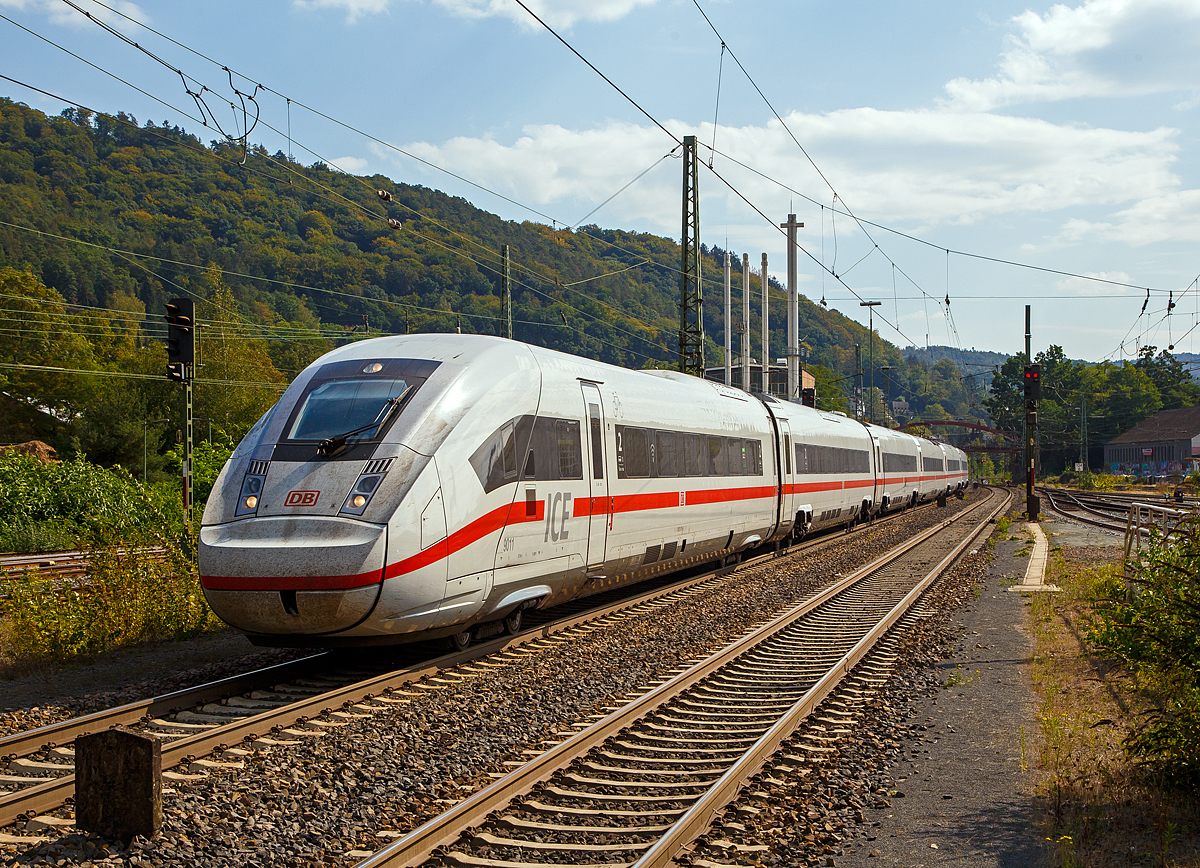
[{"x": 503, "y": 476}]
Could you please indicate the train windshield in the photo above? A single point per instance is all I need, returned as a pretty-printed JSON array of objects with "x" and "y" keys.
[{"x": 348, "y": 406}]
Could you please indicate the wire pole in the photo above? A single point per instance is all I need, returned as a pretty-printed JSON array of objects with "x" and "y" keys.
[
  {"x": 728, "y": 325},
  {"x": 793, "y": 311},
  {"x": 746, "y": 322},
  {"x": 508, "y": 292},
  {"x": 766, "y": 342},
  {"x": 691, "y": 290},
  {"x": 870, "y": 306}
]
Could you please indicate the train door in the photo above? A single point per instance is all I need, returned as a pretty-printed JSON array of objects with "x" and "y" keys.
[
  {"x": 877, "y": 491},
  {"x": 598, "y": 502},
  {"x": 787, "y": 488}
]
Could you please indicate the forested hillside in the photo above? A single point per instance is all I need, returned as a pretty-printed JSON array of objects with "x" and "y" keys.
[{"x": 104, "y": 219}]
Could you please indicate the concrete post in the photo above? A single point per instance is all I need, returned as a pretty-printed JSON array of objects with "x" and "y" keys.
[
  {"x": 118, "y": 784},
  {"x": 728, "y": 326},
  {"x": 746, "y": 322},
  {"x": 766, "y": 340}
]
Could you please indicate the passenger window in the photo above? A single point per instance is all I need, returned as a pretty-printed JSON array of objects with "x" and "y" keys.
[
  {"x": 637, "y": 453},
  {"x": 597, "y": 441},
  {"x": 510, "y": 450},
  {"x": 668, "y": 453},
  {"x": 693, "y": 455},
  {"x": 570, "y": 451},
  {"x": 718, "y": 464},
  {"x": 787, "y": 449}
]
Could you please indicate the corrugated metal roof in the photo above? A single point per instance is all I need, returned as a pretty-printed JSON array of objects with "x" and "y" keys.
[{"x": 1181, "y": 424}]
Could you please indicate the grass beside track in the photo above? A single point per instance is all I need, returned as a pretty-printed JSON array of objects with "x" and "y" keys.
[
  {"x": 130, "y": 596},
  {"x": 1098, "y": 807}
]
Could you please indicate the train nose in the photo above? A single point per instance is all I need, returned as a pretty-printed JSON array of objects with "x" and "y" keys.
[{"x": 288, "y": 576}]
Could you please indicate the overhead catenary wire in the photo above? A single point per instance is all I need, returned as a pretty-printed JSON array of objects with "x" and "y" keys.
[
  {"x": 390, "y": 146},
  {"x": 617, "y": 272}
]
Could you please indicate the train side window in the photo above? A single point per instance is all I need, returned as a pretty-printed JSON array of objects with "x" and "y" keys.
[
  {"x": 510, "y": 450},
  {"x": 530, "y": 471},
  {"x": 718, "y": 464},
  {"x": 755, "y": 458},
  {"x": 570, "y": 449},
  {"x": 637, "y": 453},
  {"x": 737, "y": 456},
  {"x": 597, "y": 441},
  {"x": 495, "y": 462},
  {"x": 802, "y": 458},
  {"x": 668, "y": 452},
  {"x": 787, "y": 451},
  {"x": 693, "y": 455}
]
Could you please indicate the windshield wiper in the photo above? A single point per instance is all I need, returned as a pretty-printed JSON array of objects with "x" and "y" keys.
[{"x": 334, "y": 444}]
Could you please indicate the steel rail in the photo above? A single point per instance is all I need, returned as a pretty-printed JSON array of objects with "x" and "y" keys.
[
  {"x": 1084, "y": 519},
  {"x": 419, "y": 844},
  {"x": 62, "y": 732},
  {"x": 698, "y": 818},
  {"x": 53, "y": 792}
]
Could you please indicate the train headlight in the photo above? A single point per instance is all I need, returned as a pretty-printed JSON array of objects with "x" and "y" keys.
[
  {"x": 252, "y": 487},
  {"x": 360, "y": 495}
]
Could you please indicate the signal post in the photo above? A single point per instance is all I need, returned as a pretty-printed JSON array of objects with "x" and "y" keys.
[
  {"x": 1033, "y": 391},
  {"x": 181, "y": 367}
]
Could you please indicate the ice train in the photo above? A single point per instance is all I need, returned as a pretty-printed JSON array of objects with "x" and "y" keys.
[{"x": 437, "y": 485}]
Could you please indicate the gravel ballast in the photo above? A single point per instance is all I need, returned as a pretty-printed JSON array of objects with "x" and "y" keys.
[{"x": 343, "y": 793}]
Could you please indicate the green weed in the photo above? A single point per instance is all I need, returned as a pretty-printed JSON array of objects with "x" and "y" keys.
[{"x": 130, "y": 596}]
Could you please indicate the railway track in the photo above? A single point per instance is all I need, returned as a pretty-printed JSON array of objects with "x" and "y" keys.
[
  {"x": 639, "y": 785},
  {"x": 298, "y": 700},
  {"x": 1094, "y": 510}
]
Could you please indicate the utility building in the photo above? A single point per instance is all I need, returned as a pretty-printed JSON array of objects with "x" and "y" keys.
[
  {"x": 1167, "y": 442},
  {"x": 778, "y": 374}
]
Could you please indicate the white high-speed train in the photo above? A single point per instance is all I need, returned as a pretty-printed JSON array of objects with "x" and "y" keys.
[{"x": 437, "y": 485}]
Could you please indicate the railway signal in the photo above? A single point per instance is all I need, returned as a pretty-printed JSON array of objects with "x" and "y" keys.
[
  {"x": 1033, "y": 382},
  {"x": 181, "y": 363},
  {"x": 181, "y": 332}
]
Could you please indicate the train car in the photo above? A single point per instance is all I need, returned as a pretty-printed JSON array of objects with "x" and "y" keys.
[
  {"x": 827, "y": 466},
  {"x": 417, "y": 486},
  {"x": 438, "y": 485}
]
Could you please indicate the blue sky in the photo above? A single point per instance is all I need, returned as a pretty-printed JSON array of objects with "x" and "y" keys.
[{"x": 1061, "y": 136}]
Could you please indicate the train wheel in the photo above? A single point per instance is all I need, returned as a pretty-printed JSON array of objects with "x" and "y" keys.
[
  {"x": 512, "y": 622},
  {"x": 460, "y": 641}
]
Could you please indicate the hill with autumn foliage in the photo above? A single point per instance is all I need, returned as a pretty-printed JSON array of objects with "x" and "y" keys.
[{"x": 104, "y": 219}]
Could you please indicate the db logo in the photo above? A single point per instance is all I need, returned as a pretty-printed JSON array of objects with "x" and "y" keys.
[{"x": 302, "y": 498}]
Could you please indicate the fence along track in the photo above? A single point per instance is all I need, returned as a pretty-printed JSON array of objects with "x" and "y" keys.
[
  {"x": 637, "y": 786},
  {"x": 276, "y": 705}
]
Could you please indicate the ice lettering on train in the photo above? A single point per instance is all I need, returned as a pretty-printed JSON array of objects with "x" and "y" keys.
[{"x": 560, "y": 500}]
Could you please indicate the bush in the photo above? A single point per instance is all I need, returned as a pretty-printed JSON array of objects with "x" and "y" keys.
[
  {"x": 81, "y": 499},
  {"x": 131, "y": 595},
  {"x": 1152, "y": 625},
  {"x": 26, "y": 536}
]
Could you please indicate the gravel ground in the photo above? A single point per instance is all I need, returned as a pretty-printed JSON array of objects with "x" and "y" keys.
[
  {"x": 326, "y": 800},
  {"x": 52, "y": 693},
  {"x": 940, "y": 770}
]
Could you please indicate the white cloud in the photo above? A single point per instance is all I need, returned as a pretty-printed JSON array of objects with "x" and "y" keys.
[
  {"x": 355, "y": 9},
  {"x": 1100, "y": 48},
  {"x": 550, "y": 164},
  {"x": 352, "y": 165},
  {"x": 932, "y": 167},
  {"x": 60, "y": 13},
  {"x": 1168, "y": 216},
  {"x": 1083, "y": 287},
  {"x": 557, "y": 13}
]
